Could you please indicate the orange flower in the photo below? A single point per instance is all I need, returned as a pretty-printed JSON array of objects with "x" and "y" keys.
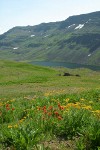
[
  {"x": 7, "y": 108},
  {"x": 44, "y": 107},
  {"x": 56, "y": 113},
  {"x": 59, "y": 118},
  {"x": 39, "y": 108},
  {"x": 7, "y": 105},
  {"x": 61, "y": 108},
  {"x": 50, "y": 107},
  {"x": 59, "y": 105},
  {"x": 13, "y": 108},
  {"x": 45, "y": 111},
  {"x": 49, "y": 113}
]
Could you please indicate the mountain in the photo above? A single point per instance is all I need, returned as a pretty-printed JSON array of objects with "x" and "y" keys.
[{"x": 74, "y": 40}]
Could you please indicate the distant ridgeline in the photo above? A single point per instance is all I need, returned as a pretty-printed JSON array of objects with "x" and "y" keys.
[{"x": 74, "y": 40}]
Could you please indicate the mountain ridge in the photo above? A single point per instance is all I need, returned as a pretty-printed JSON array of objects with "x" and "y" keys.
[{"x": 75, "y": 40}]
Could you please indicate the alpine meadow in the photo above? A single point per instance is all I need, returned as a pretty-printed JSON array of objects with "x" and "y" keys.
[{"x": 51, "y": 107}]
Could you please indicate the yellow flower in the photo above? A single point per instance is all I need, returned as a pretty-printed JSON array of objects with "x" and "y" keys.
[
  {"x": 12, "y": 100},
  {"x": 97, "y": 111},
  {"x": 82, "y": 99},
  {"x": 24, "y": 117},
  {"x": 87, "y": 107},
  {"x": 15, "y": 126},
  {"x": 1, "y": 104},
  {"x": 9, "y": 126},
  {"x": 90, "y": 102},
  {"x": 67, "y": 100},
  {"x": 21, "y": 120}
]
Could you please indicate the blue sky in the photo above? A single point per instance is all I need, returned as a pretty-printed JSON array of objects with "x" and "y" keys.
[{"x": 32, "y": 12}]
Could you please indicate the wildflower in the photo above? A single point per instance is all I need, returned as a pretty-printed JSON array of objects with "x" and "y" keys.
[
  {"x": 38, "y": 108},
  {"x": 59, "y": 118},
  {"x": 45, "y": 111},
  {"x": 59, "y": 105},
  {"x": 15, "y": 126},
  {"x": 7, "y": 105},
  {"x": 97, "y": 111},
  {"x": 56, "y": 113},
  {"x": 24, "y": 117},
  {"x": 82, "y": 99},
  {"x": 44, "y": 107},
  {"x": 9, "y": 126},
  {"x": 49, "y": 113},
  {"x": 12, "y": 100},
  {"x": 67, "y": 99},
  {"x": 21, "y": 120},
  {"x": 90, "y": 102},
  {"x": 50, "y": 107},
  {"x": 13, "y": 108},
  {"x": 7, "y": 108},
  {"x": 62, "y": 107},
  {"x": 1, "y": 104},
  {"x": 87, "y": 107}
]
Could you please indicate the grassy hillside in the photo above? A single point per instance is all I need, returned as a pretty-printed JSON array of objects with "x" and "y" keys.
[
  {"x": 40, "y": 108},
  {"x": 22, "y": 78},
  {"x": 75, "y": 40}
]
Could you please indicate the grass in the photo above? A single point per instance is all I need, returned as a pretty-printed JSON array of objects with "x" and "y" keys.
[
  {"x": 18, "y": 79},
  {"x": 41, "y": 110}
]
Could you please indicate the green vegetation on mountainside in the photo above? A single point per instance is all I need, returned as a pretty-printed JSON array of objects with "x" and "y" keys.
[{"x": 75, "y": 40}]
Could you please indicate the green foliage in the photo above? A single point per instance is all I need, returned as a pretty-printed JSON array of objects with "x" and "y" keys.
[
  {"x": 27, "y": 122},
  {"x": 41, "y": 110}
]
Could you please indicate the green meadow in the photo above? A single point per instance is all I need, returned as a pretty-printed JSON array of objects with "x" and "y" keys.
[{"x": 41, "y": 109}]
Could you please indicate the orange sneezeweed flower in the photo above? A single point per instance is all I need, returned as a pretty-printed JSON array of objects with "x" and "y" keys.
[
  {"x": 50, "y": 107},
  {"x": 56, "y": 113},
  {"x": 13, "y": 108},
  {"x": 44, "y": 107},
  {"x": 7, "y": 108},
  {"x": 49, "y": 113},
  {"x": 45, "y": 111},
  {"x": 38, "y": 108},
  {"x": 59, "y": 118},
  {"x": 62, "y": 108},
  {"x": 7, "y": 105}
]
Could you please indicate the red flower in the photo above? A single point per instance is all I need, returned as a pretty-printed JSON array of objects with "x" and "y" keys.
[
  {"x": 61, "y": 108},
  {"x": 44, "y": 107},
  {"x": 50, "y": 107},
  {"x": 7, "y": 108},
  {"x": 7, "y": 105},
  {"x": 39, "y": 108},
  {"x": 13, "y": 108},
  {"x": 49, "y": 113},
  {"x": 45, "y": 111},
  {"x": 56, "y": 113}
]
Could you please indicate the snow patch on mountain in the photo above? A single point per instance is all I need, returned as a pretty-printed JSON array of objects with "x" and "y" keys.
[
  {"x": 80, "y": 26},
  {"x": 46, "y": 35},
  {"x": 88, "y": 20},
  {"x": 32, "y": 35},
  {"x": 15, "y": 47},
  {"x": 89, "y": 55},
  {"x": 71, "y": 25}
]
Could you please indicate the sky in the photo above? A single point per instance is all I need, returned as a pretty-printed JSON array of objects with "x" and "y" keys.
[{"x": 32, "y": 12}]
